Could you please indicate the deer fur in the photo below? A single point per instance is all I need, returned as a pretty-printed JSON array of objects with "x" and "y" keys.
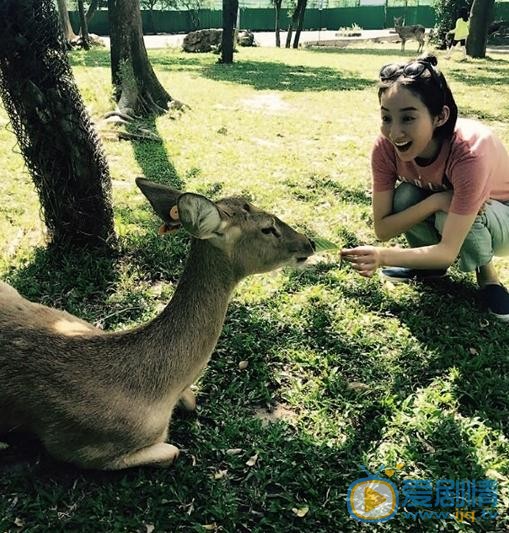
[
  {"x": 406, "y": 33},
  {"x": 104, "y": 400}
]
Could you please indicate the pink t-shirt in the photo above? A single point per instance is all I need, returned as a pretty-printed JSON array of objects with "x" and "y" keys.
[{"x": 474, "y": 163}]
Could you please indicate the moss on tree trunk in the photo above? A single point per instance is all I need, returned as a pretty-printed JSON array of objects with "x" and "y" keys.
[{"x": 52, "y": 126}]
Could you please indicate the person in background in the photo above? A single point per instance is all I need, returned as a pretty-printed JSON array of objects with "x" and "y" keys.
[
  {"x": 460, "y": 31},
  {"x": 441, "y": 181}
]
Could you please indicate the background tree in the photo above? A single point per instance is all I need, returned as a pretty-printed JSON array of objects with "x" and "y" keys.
[
  {"x": 57, "y": 141},
  {"x": 296, "y": 22},
  {"x": 300, "y": 22},
  {"x": 136, "y": 88},
  {"x": 230, "y": 8},
  {"x": 480, "y": 17},
  {"x": 66, "y": 21},
  {"x": 277, "y": 21},
  {"x": 85, "y": 40}
]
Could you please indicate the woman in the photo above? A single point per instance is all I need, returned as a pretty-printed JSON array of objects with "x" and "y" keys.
[{"x": 442, "y": 181}]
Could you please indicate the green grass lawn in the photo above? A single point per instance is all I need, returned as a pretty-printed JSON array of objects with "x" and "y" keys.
[{"x": 342, "y": 372}]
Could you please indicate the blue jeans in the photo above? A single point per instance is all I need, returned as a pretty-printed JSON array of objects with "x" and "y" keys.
[{"x": 488, "y": 236}]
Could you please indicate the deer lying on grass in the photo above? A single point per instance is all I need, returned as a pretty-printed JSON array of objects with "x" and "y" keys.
[
  {"x": 104, "y": 400},
  {"x": 406, "y": 33}
]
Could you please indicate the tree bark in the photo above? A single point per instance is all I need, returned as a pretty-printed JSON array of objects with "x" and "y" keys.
[
  {"x": 66, "y": 21},
  {"x": 85, "y": 40},
  {"x": 277, "y": 7},
  {"x": 54, "y": 132},
  {"x": 137, "y": 90},
  {"x": 301, "y": 7},
  {"x": 292, "y": 24},
  {"x": 480, "y": 17},
  {"x": 230, "y": 8}
]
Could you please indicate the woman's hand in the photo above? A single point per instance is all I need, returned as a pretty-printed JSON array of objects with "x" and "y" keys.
[
  {"x": 442, "y": 200},
  {"x": 364, "y": 259}
]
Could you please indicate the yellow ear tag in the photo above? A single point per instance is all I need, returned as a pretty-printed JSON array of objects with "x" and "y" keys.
[{"x": 174, "y": 213}]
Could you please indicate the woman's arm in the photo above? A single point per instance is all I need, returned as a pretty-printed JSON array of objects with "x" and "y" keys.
[
  {"x": 389, "y": 225},
  {"x": 366, "y": 259}
]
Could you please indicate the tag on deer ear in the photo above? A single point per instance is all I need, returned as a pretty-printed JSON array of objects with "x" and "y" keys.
[
  {"x": 199, "y": 216},
  {"x": 162, "y": 198}
]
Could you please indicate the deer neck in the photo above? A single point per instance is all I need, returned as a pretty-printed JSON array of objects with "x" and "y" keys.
[{"x": 180, "y": 340}]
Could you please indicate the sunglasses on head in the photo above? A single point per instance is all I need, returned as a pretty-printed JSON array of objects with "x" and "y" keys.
[{"x": 413, "y": 70}]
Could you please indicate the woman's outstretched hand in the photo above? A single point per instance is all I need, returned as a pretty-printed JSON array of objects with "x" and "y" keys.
[{"x": 364, "y": 259}]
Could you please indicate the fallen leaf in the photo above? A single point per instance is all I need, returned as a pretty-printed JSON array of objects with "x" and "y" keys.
[
  {"x": 358, "y": 385},
  {"x": 301, "y": 512},
  {"x": 252, "y": 460},
  {"x": 243, "y": 365},
  {"x": 220, "y": 474},
  {"x": 18, "y": 522},
  {"x": 210, "y": 527},
  {"x": 150, "y": 528},
  {"x": 234, "y": 451},
  {"x": 473, "y": 351}
]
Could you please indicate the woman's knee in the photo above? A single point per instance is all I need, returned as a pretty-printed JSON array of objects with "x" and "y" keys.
[{"x": 406, "y": 195}]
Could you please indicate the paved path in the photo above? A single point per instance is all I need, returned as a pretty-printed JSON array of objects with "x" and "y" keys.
[{"x": 267, "y": 38}]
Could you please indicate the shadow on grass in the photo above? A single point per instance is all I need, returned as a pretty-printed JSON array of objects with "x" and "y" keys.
[
  {"x": 297, "y": 465},
  {"x": 265, "y": 75},
  {"x": 262, "y": 75}
]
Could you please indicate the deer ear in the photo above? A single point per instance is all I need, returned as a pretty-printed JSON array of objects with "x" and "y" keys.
[
  {"x": 198, "y": 215},
  {"x": 163, "y": 199}
]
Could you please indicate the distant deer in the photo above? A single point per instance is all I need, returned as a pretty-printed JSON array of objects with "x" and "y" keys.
[
  {"x": 406, "y": 33},
  {"x": 104, "y": 400}
]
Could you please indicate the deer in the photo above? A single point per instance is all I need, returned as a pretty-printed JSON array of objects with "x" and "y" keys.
[
  {"x": 103, "y": 400},
  {"x": 417, "y": 32}
]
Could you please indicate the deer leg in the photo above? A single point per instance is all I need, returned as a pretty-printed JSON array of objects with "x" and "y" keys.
[
  {"x": 402, "y": 45},
  {"x": 160, "y": 454},
  {"x": 187, "y": 400}
]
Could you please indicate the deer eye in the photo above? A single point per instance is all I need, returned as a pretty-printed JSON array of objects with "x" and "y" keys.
[{"x": 269, "y": 230}]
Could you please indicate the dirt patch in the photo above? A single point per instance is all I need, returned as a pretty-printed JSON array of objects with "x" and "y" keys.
[
  {"x": 280, "y": 412},
  {"x": 269, "y": 103}
]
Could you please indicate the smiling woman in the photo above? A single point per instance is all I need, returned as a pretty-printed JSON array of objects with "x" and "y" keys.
[{"x": 452, "y": 200}]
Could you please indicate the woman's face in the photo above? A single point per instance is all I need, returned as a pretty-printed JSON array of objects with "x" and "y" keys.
[{"x": 408, "y": 125}]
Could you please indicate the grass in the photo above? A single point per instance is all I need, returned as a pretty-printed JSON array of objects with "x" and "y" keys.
[{"x": 342, "y": 371}]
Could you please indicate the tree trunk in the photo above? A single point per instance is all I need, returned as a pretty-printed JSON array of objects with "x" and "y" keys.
[
  {"x": 92, "y": 8},
  {"x": 292, "y": 24},
  {"x": 66, "y": 21},
  {"x": 57, "y": 141},
  {"x": 230, "y": 8},
  {"x": 481, "y": 15},
  {"x": 85, "y": 40},
  {"x": 136, "y": 88},
  {"x": 301, "y": 7},
  {"x": 277, "y": 7}
]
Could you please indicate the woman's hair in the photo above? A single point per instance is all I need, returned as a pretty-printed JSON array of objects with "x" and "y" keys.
[
  {"x": 432, "y": 89},
  {"x": 464, "y": 13}
]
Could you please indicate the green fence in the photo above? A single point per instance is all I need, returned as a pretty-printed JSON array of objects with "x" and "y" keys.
[{"x": 367, "y": 17}]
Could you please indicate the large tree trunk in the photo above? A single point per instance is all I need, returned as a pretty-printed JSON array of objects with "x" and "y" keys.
[
  {"x": 481, "y": 15},
  {"x": 277, "y": 7},
  {"x": 85, "y": 40},
  {"x": 230, "y": 8},
  {"x": 136, "y": 88},
  {"x": 301, "y": 8},
  {"x": 66, "y": 21},
  {"x": 57, "y": 141}
]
